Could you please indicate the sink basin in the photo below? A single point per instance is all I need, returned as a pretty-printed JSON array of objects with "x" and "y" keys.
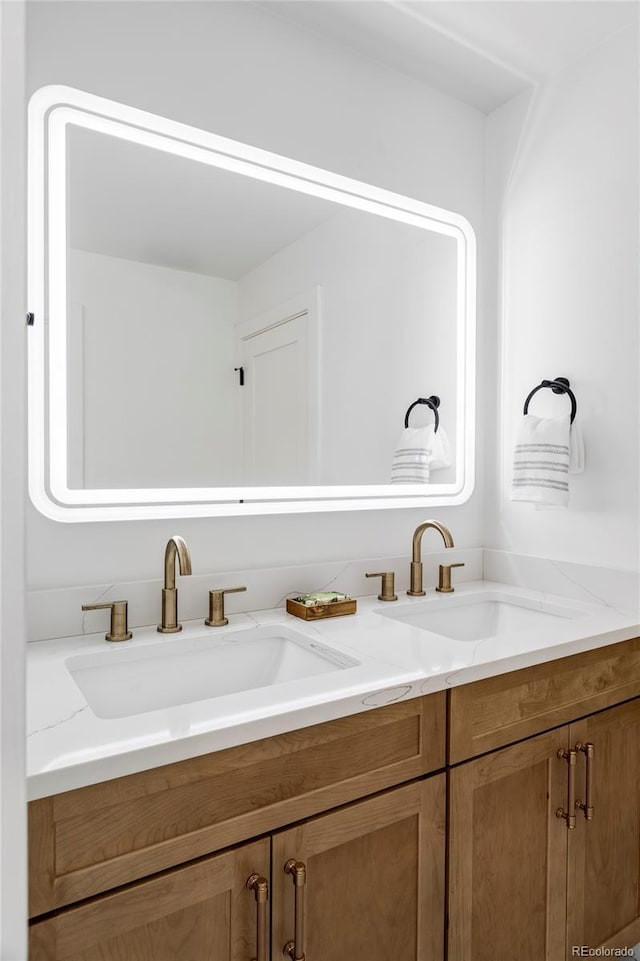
[
  {"x": 475, "y": 618},
  {"x": 120, "y": 683}
]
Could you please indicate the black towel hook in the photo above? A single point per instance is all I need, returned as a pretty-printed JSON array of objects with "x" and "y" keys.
[
  {"x": 433, "y": 402},
  {"x": 559, "y": 385}
]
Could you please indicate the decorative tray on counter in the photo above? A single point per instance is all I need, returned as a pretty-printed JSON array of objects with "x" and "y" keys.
[{"x": 311, "y": 607}]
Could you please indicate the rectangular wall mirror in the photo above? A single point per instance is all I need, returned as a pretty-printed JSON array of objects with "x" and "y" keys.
[{"x": 221, "y": 330}]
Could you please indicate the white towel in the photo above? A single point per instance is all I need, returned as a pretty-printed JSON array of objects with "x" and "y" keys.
[
  {"x": 576, "y": 463},
  {"x": 419, "y": 451},
  {"x": 576, "y": 450},
  {"x": 544, "y": 454},
  {"x": 440, "y": 449}
]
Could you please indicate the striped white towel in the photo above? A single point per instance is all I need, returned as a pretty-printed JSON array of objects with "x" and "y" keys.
[
  {"x": 576, "y": 462},
  {"x": 419, "y": 451},
  {"x": 541, "y": 461}
]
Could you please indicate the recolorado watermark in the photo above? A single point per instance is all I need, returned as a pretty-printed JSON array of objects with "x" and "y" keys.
[{"x": 582, "y": 951}]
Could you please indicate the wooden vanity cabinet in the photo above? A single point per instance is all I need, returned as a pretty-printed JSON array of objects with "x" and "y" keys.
[
  {"x": 357, "y": 806},
  {"x": 374, "y": 891},
  {"x": 104, "y": 859},
  {"x": 93, "y": 839},
  {"x": 521, "y": 882}
]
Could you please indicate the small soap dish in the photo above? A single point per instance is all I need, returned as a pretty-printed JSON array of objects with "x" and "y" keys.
[{"x": 312, "y": 607}]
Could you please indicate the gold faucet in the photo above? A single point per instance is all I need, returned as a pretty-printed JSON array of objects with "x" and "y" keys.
[
  {"x": 176, "y": 547},
  {"x": 416, "y": 563}
]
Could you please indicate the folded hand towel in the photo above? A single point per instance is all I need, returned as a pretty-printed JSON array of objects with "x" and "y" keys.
[
  {"x": 541, "y": 461},
  {"x": 440, "y": 449},
  {"x": 576, "y": 462},
  {"x": 418, "y": 452},
  {"x": 576, "y": 450}
]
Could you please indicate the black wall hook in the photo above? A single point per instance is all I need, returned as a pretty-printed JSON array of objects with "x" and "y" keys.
[
  {"x": 559, "y": 385},
  {"x": 433, "y": 402}
]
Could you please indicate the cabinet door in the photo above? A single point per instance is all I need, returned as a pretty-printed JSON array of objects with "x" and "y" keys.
[
  {"x": 508, "y": 854},
  {"x": 202, "y": 911},
  {"x": 604, "y": 852},
  {"x": 374, "y": 880}
]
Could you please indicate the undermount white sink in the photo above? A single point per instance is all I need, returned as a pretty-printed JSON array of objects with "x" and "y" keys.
[
  {"x": 120, "y": 683},
  {"x": 476, "y": 618}
]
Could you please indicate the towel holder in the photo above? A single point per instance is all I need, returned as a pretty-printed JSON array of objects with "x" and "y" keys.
[
  {"x": 559, "y": 385},
  {"x": 433, "y": 402}
]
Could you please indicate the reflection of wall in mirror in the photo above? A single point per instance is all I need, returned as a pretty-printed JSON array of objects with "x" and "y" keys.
[
  {"x": 160, "y": 397},
  {"x": 388, "y": 334}
]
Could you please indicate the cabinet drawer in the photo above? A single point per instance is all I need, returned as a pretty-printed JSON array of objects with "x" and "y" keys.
[
  {"x": 200, "y": 911},
  {"x": 501, "y": 710},
  {"x": 98, "y": 837}
]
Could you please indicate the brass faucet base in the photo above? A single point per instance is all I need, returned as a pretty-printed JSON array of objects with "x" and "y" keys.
[
  {"x": 218, "y": 623},
  {"x": 118, "y": 637},
  {"x": 416, "y": 589},
  {"x": 169, "y": 624}
]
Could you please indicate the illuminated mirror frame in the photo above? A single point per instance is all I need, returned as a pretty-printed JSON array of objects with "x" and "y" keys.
[{"x": 51, "y": 109}]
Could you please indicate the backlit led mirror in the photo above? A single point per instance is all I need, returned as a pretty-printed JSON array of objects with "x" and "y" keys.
[{"x": 221, "y": 330}]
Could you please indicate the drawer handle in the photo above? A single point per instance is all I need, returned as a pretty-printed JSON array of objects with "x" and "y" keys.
[
  {"x": 260, "y": 887},
  {"x": 571, "y": 758},
  {"x": 295, "y": 949},
  {"x": 586, "y": 806}
]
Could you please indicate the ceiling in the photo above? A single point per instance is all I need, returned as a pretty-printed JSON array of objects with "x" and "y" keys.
[
  {"x": 135, "y": 202},
  {"x": 483, "y": 52},
  {"x": 175, "y": 213}
]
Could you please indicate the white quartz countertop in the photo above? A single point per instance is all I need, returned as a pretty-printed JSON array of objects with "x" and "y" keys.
[{"x": 70, "y": 746}]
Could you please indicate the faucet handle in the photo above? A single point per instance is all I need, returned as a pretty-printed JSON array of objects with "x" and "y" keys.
[
  {"x": 216, "y": 606},
  {"x": 387, "y": 588},
  {"x": 444, "y": 578},
  {"x": 118, "y": 630}
]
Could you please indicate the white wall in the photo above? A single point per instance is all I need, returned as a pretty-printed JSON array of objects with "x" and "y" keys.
[
  {"x": 387, "y": 334},
  {"x": 158, "y": 392},
  {"x": 13, "y": 844},
  {"x": 570, "y": 301},
  {"x": 238, "y": 71}
]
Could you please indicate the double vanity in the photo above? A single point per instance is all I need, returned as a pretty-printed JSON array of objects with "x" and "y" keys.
[{"x": 450, "y": 772}]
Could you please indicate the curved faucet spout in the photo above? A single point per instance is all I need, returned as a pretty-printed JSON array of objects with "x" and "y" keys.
[
  {"x": 419, "y": 531},
  {"x": 176, "y": 547}
]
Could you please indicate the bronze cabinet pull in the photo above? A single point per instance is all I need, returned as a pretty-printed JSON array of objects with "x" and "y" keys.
[
  {"x": 571, "y": 758},
  {"x": 586, "y": 806},
  {"x": 260, "y": 887},
  {"x": 295, "y": 949}
]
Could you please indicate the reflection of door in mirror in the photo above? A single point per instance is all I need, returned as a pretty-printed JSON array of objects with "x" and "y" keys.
[{"x": 279, "y": 357}]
